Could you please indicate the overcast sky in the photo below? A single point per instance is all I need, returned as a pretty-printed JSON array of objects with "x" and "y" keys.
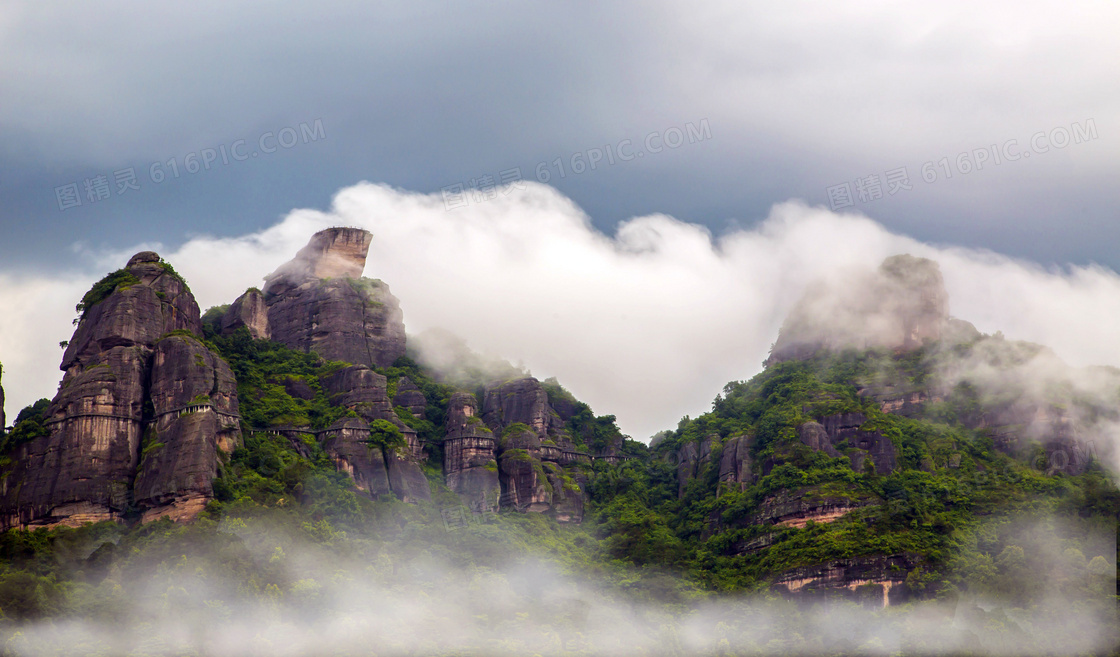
[{"x": 766, "y": 104}]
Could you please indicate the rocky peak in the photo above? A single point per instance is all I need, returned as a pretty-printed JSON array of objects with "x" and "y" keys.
[
  {"x": 140, "y": 416},
  {"x": 331, "y": 253},
  {"x": 134, "y": 306},
  {"x": 901, "y": 306},
  {"x": 319, "y": 302}
]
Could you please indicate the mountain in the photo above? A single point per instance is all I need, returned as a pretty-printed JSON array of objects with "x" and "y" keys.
[
  {"x": 154, "y": 403},
  {"x": 882, "y": 433},
  {"x": 888, "y": 454},
  {"x": 142, "y": 413}
]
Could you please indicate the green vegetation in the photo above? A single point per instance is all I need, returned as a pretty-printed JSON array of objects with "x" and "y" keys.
[
  {"x": 972, "y": 521},
  {"x": 267, "y": 373},
  {"x": 119, "y": 280},
  {"x": 30, "y": 424},
  {"x": 385, "y": 436},
  {"x": 951, "y": 486}
]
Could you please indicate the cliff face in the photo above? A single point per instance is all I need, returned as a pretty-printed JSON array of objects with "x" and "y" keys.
[
  {"x": 120, "y": 360},
  {"x": 470, "y": 463},
  {"x": 195, "y": 417},
  {"x": 409, "y": 396},
  {"x": 331, "y": 253},
  {"x": 539, "y": 469},
  {"x": 364, "y": 391},
  {"x": 318, "y": 302}
]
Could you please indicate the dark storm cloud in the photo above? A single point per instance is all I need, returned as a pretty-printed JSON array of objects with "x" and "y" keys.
[{"x": 422, "y": 96}]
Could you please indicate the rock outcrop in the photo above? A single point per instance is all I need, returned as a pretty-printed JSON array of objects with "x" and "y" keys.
[
  {"x": 133, "y": 350},
  {"x": 796, "y": 508},
  {"x": 409, "y": 396},
  {"x": 539, "y": 467},
  {"x": 692, "y": 458},
  {"x": 735, "y": 463},
  {"x": 331, "y": 253},
  {"x": 347, "y": 443},
  {"x": 901, "y": 306},
  {"x": 195, "y": 418},
  {"x": 470, "y": 463},
  {"x": 374, "y": 470},
  {"x": 876, "y": 581},
  {"x": 844, "y": 429},
  {"x": 250, "y": 311},
  {"x": 319, "y": 302}
]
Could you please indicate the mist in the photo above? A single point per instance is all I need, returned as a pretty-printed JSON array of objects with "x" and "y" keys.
[
  {"x": 320, "y": 592},
  {"x": 647, "y": 324}
]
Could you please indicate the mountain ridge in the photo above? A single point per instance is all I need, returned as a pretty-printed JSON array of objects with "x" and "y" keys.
[{"x": 860, "y": 465}]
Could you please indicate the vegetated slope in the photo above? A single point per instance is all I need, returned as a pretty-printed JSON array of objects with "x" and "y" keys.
[{"x": 799, "y": 479}]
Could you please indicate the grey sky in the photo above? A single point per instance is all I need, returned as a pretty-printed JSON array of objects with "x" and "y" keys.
[{"x": 426, "y": 95}]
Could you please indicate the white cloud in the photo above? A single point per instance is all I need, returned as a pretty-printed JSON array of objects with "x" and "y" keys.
[{"x": 648, "y": 324}]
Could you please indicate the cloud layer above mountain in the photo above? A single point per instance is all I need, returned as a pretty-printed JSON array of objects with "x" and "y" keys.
[{"x": 647, "y": 324}]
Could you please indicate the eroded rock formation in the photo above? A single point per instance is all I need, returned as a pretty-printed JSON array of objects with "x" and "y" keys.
[
  {"x": 470, "y": 463},
  {"x": 735, "y": 464},
  {"x": 409, "y": 396},
  {"x": 250, "y": 311},
  {"x": 347, "y": 442},
  {"x": 375, "y": 470},
  {"x": 875, "y": 581},
  {"x": 844, "y": 429},
  {"x": 539, "y": 469},
  {"x": 195, "y": 417},
  {"x": 331, "y": 253},
  {"x": 319, "y": 302},
  {"x": 134, "y": 347}
]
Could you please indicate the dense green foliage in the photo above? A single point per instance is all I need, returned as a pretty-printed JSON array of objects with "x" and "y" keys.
[
  {"x": 951, "y": 487},
  {"x": 30, "y": 423},
  {"x": 120, "y": 279}
]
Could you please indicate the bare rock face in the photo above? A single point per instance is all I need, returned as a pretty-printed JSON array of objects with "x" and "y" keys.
[
  {"x": 406, "y": 478},
  {"x": 522, "y": 400},
  {"x": 82, "y": 471},
  {"x": 816, "y": 437},
  {"x": 692, "y": 458},
  {"x": 901, "y": 306},
  {"x": 250, "y": 311},
  {"x": 735, "y": 463},
  {"x": 470, "y": 463},
  {"x": 875, "y": 581},
  {"x": 844, "y": 429},
  {"x": 346, "y": 443},
  {"x": 539, "y": 467},
  {"x": 194, "y": 399},
  {"x": 119, "y": 361},
  {"x": 352, "y": 320},
  {"x": 331, "y": 253},
  {"x": 361, "y": 390},
  {"x": 319, "y": 302},
  {"x": 410, "y": 397},
  {"x": 136, "y": 314},
  {"x": 364, "y": 391},
  {"x": 525, "y": 486}
]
